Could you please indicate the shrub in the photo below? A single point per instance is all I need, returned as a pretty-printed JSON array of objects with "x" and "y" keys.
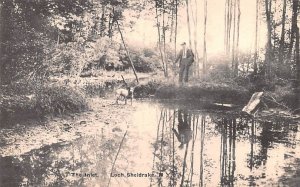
[
  {"x": 100, "y": 90},
  {"x": 40, "y": 101},
  {"x": 220, "y": 72},
  {"x": 282, "y": 96},
  {"x": 146, "y": 90},
  {"x": 58, "y": 99}
]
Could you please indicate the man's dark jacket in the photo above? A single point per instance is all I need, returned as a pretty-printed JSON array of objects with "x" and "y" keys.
[{"x": 189, "y": 57}]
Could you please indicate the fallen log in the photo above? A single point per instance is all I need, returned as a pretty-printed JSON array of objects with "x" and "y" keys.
[{"x": 253, "y": 103}]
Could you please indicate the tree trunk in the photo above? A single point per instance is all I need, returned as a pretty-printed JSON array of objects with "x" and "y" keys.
[
  {"x": 236, "y": 63},
  {"x": 164, "y": 39},
  {"x": 233, "y": 40},
  {"x": 293, "y": 27},
  {"x": 256, "y": 35},
  {"x": 282, "y": 30},
  {"x": 225, "y": 25},
  {"x": 281, "y": 42},
  {"x": 204, "y": 38},
  {"x": 188, "y": 22},
  {"x": 172, "y": 20},
  {"x": 159, "y": 39},
  {"x": 102, "y": 23},
  {"x": 268, "y": 7},
  {"x": 229, "y": 21},
  {"x": 297, "y": 59},
  {"x": 197, "y": 73},
  {"x": 176, "y": 25},
  {"x": 127, "y": 52},
  {"x": 110, "y": 25}
]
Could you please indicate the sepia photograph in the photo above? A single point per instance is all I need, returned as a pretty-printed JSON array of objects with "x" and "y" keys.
[{"x": 149, "y": 93}]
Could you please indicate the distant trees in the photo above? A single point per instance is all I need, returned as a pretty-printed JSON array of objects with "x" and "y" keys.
[
  {"x": 281, "y": 49},
  {"x": 281, "y": 57}
]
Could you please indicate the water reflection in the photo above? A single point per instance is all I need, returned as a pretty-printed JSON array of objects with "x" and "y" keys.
[
  {"x": 184, "y": 133},
  {"x": 244, "y": 146},
  {"x": 84, "y": 162},
  {"x": 180, "y": 147}
]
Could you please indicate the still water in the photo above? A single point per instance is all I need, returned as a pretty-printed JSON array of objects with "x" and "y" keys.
[{"x": 162, "y": 145}]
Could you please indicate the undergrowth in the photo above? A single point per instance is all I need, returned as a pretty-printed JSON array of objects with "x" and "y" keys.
[{"x": 36, "y": 101}]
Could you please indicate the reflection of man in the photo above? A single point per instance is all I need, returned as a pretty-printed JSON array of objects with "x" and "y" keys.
[
  {"x": 184, "y": 133},
  {"x": 185, "y": 58}
]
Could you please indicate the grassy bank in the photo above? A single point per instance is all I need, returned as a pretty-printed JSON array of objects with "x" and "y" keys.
[
  {"x": 213, "y": 92},
  {"x": 25, "y": 100},
  {"x": 22, "y": 101}
]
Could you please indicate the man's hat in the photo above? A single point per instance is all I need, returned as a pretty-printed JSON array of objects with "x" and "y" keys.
[{"x": 183, "y": 43}]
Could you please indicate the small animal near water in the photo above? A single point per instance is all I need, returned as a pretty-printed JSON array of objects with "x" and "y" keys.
[{"x": 124, "y": 93}]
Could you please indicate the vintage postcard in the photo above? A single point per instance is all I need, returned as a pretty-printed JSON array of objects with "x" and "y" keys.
[{"x": 177, "y": 93}]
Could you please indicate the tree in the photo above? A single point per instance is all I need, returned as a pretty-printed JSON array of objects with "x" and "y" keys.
[
  {"x": 268, "y": 54},
  {"x": 295, "y": 8},
  {"x": 204, "y": 38},
  {"x": 236, "y": 63},
  {"x": 27, "y": 34},
  {"x": 282, "y": 38},
  {"x": 256, "y": 34},
  {"x": 231, "y": 37}
]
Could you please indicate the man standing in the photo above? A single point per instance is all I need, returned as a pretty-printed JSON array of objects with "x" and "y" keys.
[{"x": 185, "y": 58}]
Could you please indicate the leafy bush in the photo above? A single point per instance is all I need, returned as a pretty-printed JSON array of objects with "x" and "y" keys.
[
  {"x": 220, "y": 72},
  {"x": 100, "y": 90},
  {"x": 146, "y": 90},
  {"x": 148, "y": 52},
  {"x": 47, "y": 99},
  {"x": 59, "y": 99},
  {"x": 283, "y": 96}
]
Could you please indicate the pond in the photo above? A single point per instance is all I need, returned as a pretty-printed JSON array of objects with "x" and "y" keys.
[{"x": 166, "y": 145}]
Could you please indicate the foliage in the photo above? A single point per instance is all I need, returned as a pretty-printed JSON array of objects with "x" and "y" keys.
[
  {"x": 28, "y": 34},
  {"x": 59, "y": 99},
  {"x": 50, "y": 99},
  {"x": 100, "y": 90},
  {"x": 144, "y": 60},
  {"x": 146, "y": 90},
  {"x": 282, "y": 97},
  {"x": 37, "y": 34}
]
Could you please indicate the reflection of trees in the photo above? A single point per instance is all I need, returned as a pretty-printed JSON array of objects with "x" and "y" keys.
[
  {"x": 53, "y": 165},
  {"x": 194, "y": 136},
  {"x": 227, "y": 153},
  {"x": 270, "y": 133},
  {"x": 201, "y": 150},
  {"x": 178, "y": 168},
  {"x": 165, "y": 159}
]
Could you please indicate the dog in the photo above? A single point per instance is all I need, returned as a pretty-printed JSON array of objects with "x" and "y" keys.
[{"x": 124, "y": 93}]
